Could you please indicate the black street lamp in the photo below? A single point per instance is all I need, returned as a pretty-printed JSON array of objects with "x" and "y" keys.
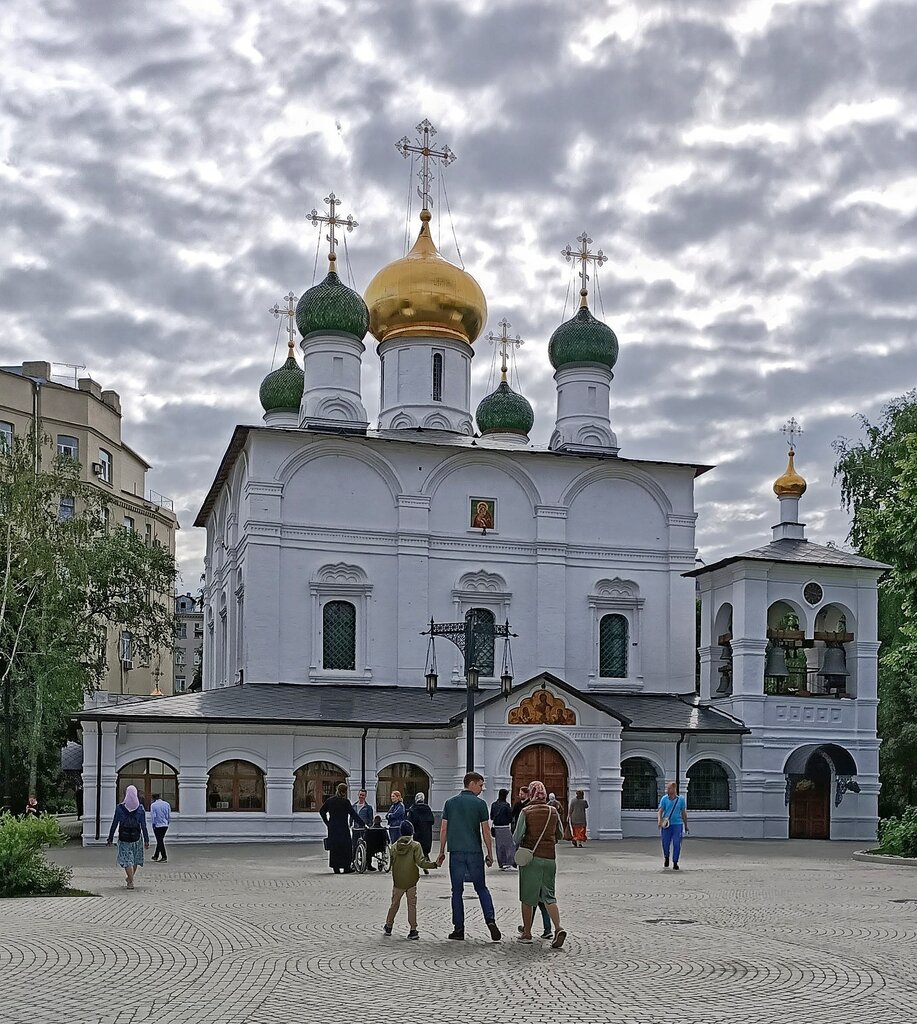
[{"x": 470, "y": 637}]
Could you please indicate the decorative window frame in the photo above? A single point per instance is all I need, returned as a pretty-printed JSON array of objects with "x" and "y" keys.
[
  {"x": 341, "y": 582},
  {"x": 621, "y": 597},
  {"x": 480, "y": 589}
]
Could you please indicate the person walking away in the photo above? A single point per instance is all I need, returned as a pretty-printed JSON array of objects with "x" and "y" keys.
[
  {"x": 501, "y": 817},
  {"x": 364, "y": 812},
  {"x": 160, "y": 816},
  {"x": 672, "y": 818},
  {"x": 133, "y": 838},
  {"x": 522, "y": 800},
  {"x": 578, "y": 807},
  {"x": 337, "y": 812},
  {"x": 465, "y": 821},
  {"x": 420, "y": 815},
  {"x": 407, "y": 860},
  {"x": 396, "y": 815},
  {"x": 538, "y": 830}
]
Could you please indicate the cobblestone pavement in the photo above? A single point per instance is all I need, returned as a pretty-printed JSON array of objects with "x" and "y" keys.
[{"x": 746, "y": 932}]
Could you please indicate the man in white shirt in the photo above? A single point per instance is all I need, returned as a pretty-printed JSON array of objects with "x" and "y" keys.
[{"x": 160, "y": 815}]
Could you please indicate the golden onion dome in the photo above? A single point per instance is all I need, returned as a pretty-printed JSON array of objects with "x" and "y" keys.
[
  {"x": 424, "y": 295},
  {"x": 791, "y": 484}
]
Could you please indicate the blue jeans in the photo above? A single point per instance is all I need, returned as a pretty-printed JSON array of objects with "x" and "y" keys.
[
  {"x": 671, "y": 837},
  {"x": 468, "y": 867}
]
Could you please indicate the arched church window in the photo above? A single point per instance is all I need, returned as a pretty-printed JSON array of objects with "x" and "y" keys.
[
  {"x": 641, "y": 784},
  {"x": 484, "y": 644},
  {"x": 708, "y": 786},
  {"x": 339, "y": 636},
  {"x": 235, "y": 786},
  {"x": 613, "y": 647},
  {"x": 409, "y": 779},
  {"x": 437, "y": 377},
  {"x": 149, "y": 776},
  {"x": 314, "y": 782}
]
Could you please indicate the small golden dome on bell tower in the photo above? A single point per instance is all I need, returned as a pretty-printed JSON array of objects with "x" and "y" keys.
[{"x": 790, "y": 484}]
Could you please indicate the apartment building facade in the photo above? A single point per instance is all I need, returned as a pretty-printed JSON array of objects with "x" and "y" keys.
[{"x": 189, "y": 643}]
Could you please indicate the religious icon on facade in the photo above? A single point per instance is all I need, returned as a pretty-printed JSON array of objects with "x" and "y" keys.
[
  {"x": 542, "y": 708},
  {"x": 483, "y": 513}
]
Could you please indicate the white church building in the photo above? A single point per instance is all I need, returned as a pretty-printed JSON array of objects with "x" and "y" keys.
[{"x": 332, "y": 543}]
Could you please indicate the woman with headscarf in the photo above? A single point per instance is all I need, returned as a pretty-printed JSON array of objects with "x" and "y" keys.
[
  {"x": 578, "y": 807},
  {"x": 420, "y": 815},
  {"x": 501, "y": 818},
  {"x": 538, "y": 830},
  {"x": 337, "y": 813},
  {"x": 133, "y": 838}
]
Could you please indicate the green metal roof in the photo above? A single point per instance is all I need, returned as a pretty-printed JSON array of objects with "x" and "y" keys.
[
  {"x": 332, "y": 306},
  {"x": 504, "y": 410},
  {"x": 583, "y": 339},
  {"x": 281, "y": 390}
]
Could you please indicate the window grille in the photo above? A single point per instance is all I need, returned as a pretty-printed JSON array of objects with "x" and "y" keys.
[
  {"x": 339, "y": 636},
  {"x": 484, "y": 645},
  {"x": 708, "y": 788},
  {"x": 641, "y": 784},
  {"x": 437, "y": 377},
  {"x": 613, "y": 647}
]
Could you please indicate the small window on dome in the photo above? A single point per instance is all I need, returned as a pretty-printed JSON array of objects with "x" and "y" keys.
[{"x": 437, "y": 377}]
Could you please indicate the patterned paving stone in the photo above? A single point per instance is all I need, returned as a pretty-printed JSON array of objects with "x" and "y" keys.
[{"x": 765, "y": 932}]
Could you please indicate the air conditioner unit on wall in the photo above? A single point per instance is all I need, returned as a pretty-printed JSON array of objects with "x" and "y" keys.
[{"x": 97, "y": 468}]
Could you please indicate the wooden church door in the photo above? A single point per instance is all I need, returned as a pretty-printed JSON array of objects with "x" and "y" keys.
[
  {"x": 539, "y": 761},
  {"x": 810, "y": 802}
]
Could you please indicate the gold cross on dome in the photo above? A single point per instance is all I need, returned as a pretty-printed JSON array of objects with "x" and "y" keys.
[
  {"x": 584, "y": 255},
  {"x": 791, "y": 430},
  {"x": 289, "y": 311},
  {"x": 332, "y": 220},
  {"x": 421, "y": 146},
  {"x": 505, "y": 342}
]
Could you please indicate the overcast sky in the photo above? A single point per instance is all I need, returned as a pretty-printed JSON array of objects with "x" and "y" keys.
[{"x": 750, "y": 169}]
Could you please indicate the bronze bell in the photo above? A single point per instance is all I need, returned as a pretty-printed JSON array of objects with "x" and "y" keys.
[
  {"x": 834, "y": 663},
  {"x": 775, "y": 667}
]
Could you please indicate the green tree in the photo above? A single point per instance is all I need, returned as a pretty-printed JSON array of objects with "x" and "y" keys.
[
  {"x": 66, "y": 580},
  {"x": 878, "y": 475}
]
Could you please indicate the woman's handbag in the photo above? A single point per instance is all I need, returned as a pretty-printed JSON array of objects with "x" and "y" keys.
[{"x": 525, "y": 856}]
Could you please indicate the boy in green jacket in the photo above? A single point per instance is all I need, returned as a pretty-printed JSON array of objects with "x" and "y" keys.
[{"x": 407, "y": 860}]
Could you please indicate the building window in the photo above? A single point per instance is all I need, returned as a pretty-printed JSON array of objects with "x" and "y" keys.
[
  {"x": 408, "y": 779},
  {"x": 484, "y": 645},
  {"x": 67, "y": 508},
  {"x": 314, "y": 783},
  {"x": 180, "y": 656},
  {"x": 708, "y": 786},
  {"x": 6, "y": 435},
  {"x": 339, "y": 636},
  {"x": 641, "y": 784},
  {"x": 181, "y": 630},
  {"x": 179, "y": 684},
  {"x": 437, "y": 377},
  {"x": 148, "y": 539},
  {"x": 613, "y": 647},
  {"x": 126, "y": 649},
  {"x": 105, "y": 464},
  {"x": 149, "y": 776},
  {"x": 68, "y": 447},
  {"x": 128, "y": 523},
  {"x": 235, "y": 786},
  {"x": 198, "y": 630}
]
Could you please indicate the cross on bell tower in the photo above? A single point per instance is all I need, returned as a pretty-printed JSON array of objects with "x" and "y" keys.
[
  {"x": 505, "y": 342},
  {"x": 422, "y": 147},
  {"x": 333, "y": 221},
  {"x": 289, "y": 311},
  {"x": 584, "y": 256}
]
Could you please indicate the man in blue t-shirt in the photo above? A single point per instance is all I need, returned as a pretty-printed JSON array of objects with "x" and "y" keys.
[
  {"x": 465, "y": 821},
  {"x": 672, "y": 817}
]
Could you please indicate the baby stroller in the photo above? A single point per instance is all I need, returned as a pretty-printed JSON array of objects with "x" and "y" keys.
[{"x": 372, "y": 849}]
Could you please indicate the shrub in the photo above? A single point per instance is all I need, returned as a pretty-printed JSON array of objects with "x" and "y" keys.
[
  {"x": 898, "y": 836},
  {"x": 24, "y": 870}
]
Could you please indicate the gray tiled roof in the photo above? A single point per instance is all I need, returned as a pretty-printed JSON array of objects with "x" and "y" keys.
[
  {"x": 666, "y": 713},
  {"x": 803, "y": 552}
]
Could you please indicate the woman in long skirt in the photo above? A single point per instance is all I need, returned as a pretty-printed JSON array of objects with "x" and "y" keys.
[
  {"x": 337, "y": 812},
  {"x": 133, "y": 838},
  {"x": 539, "y": 828}
]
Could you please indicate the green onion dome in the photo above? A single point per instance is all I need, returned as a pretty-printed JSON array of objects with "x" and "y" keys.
[
  {"x": 332, "y": 306},
  {"x": 504, "y": 411},
  {"x": 583, "y": 339},
  {"x": 281, "y": 390}
]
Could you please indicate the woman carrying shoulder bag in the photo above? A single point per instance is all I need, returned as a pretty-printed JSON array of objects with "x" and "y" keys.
[
  {"x": 133, "y": 838},
  {"x": 538, "y": 830}
]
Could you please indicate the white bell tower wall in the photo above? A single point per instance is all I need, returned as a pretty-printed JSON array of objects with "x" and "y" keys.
[{"x": 426, "y": 382}]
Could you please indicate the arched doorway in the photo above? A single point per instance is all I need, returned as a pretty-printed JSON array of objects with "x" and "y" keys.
[
  {"x": 810, "y": 800},
  {"x": 539, "y": 761}
]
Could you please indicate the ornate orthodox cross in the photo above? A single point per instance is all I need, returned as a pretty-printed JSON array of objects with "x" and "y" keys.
[
  {"x": 584, "y": 255},
  {"x": 422, "y": 146},
  {"x": 791, "y": 429},
  {"x": 289, "y": 311},
  {"x": 505, "y": 342},
  {"x": 332, "y": 220}
]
